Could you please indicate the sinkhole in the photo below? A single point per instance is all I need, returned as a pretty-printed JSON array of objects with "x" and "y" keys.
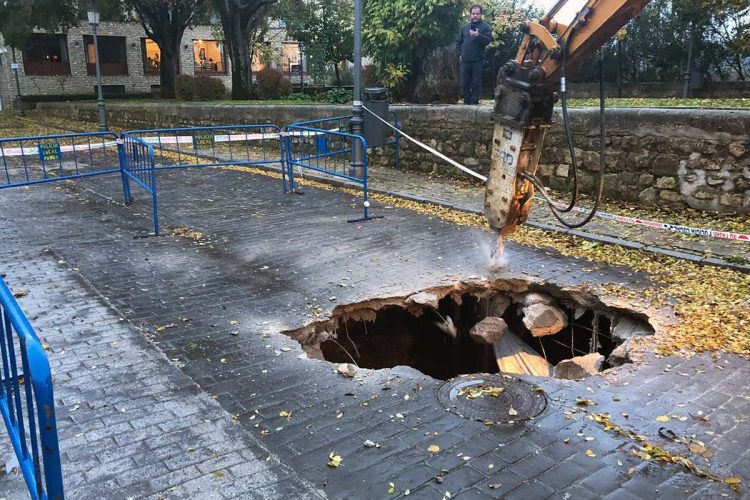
[{"x": 511, "y": 327}]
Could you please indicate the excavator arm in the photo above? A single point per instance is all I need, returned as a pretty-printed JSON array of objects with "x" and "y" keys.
[{"x": 526, "y": 90}]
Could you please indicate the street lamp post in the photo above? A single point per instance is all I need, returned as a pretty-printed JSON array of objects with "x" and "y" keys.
[
  {"x": 93, "y": 16},
  {"x": 18, "y": 102},
  {"x": 357, "y": 166}
]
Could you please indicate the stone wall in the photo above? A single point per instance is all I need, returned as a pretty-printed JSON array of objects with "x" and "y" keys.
[
  {"x": 667, "y": 157},
  {"x": 709, "y": 90}
]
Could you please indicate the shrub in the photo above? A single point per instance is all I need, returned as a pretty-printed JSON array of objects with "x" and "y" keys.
[
  {"x": 209, "y": 89},
  {"x": 338, "y": 96},
  {"x": 298, "y": 96},
  {"x": 370, "y": 76},
  {"x": 440, "y": 79},
  {"x": 272, "y": 84},
  {"x": 185, "y": 87}
]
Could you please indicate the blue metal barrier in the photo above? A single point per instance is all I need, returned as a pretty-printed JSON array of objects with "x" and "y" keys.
[
  {"x": 48, "y": 158},
  {"x": 27, "y": 403},
  {"x": 326, "y": 146},
  {"x": 137, "y": 163},
  {"x": 215, "y": 146}
]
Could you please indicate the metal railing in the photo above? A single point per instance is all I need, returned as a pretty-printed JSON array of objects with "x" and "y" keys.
[
  {"x": 27, "y": 402},
  {"x": 323, "y": 146},
  {"x": 48, "y": 158},
  {"x": 214, "y": 146},
  {"x": 137, "y": 164},
  {"x": 326, "y": 146}
]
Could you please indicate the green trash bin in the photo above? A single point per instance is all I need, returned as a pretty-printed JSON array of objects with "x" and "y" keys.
[{"x": 376, "y": 133}]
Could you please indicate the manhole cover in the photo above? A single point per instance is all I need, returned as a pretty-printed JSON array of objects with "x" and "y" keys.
[{"x": 492, "y": 398}]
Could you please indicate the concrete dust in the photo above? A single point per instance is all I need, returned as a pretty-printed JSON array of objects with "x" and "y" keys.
[{"x": 498, "y": 259}]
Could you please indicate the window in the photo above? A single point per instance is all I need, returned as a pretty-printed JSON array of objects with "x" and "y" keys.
[
  {"x": 151, "y": 56},
  {"x": 209, "y": 57},
  {"x": 112, "y": 60},
  {"x": 46, "y": 55}
]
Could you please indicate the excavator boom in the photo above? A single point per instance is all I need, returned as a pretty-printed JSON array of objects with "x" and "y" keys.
[{"x": 526, "y": 91}]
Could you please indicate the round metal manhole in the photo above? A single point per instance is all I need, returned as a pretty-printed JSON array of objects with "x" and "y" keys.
[{"x": 492, "y": 398}]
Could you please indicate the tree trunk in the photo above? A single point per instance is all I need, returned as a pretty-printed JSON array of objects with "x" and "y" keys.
[
  {"x": 168, "y": 70},
  {"x": 338, "y": 76},
  {"x": 241, "y": 76}
]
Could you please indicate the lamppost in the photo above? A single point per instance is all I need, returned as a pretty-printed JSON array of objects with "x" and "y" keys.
[
  {"x": 357, "y": 169},
  {"x": 93, "y": 16},
  {"x": 18, "y": 103}
]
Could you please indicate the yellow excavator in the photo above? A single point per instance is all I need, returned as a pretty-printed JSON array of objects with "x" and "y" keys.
[{"x": 526, "y": 90}]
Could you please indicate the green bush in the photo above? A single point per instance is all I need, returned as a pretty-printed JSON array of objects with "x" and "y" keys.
[
  {"x": 272, "y": 84},
  {"x": 338, "y": 96},
  {"x": 209, "y": 89},
  {"x": 298, "y": 96},
  {"x": 185, "y": 87}
]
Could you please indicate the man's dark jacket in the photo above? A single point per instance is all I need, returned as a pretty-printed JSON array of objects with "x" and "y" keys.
[{"x": 472, "y": 49}]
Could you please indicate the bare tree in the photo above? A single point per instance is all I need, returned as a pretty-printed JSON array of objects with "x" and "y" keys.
[
  {"x": 240, "y": 20},
  {"x": 165, "y": 22}
]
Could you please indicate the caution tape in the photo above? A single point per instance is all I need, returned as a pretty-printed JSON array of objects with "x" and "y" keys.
[{"x": 696, "y": 231}]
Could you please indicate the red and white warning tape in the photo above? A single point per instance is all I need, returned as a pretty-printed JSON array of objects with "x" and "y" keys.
[{"x": 711, "y": 233}]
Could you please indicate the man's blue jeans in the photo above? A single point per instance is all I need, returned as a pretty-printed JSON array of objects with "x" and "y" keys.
[{"x": 471, "y": 80}]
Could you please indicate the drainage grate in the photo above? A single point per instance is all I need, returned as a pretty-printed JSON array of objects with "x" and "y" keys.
[{"x": 492, "y": 398}]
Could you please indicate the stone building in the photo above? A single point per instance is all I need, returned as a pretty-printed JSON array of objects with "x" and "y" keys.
[{"x": 64, "y": 63}]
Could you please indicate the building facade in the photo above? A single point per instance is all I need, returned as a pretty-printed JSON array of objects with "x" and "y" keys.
[{"x": 64, "y": 64}]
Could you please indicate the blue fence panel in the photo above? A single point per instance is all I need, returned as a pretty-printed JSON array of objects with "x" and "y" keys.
[
  {"x": 324, "y": 146},
  {"x": 27, "y": 402},
  {"x": 48, "y": 158},
  {"x": 137, "y": 163},
  {"x": 215, "y": 146}
]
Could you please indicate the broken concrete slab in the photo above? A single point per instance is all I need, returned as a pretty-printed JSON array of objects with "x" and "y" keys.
[
  {"x": 517, "y": 357},
  {"x": 497, "y": 304},
  {"x": 536, "y": 298},
  {"x": 348, "y": 370},
  {"x": 627, "y": 328},
  {"x": 579, "y": 367},
  {"x": 620, "y": 354},
  {"x": 489, "y": 330},
  {"x": 543, "y": 319},
  {"x": 423, "y": 299}
]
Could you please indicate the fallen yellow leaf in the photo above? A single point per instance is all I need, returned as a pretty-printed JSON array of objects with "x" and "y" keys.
[
  {"x": 662, "y": 418},
  {"x": 590, "y": 453},
  {"x": 334, "y": 460},
  {"x": 433, "y": 448}
]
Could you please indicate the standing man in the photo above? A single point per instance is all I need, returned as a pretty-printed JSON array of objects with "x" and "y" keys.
[{"x": 471, "y": 45}]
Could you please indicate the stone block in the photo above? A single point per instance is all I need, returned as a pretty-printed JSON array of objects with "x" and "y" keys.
[
  {"x": 716, "y": 179},
  {"x": 471, "y": 162},
  {"x": 669, "y": 196},
  {"x": 648, "y": 195},
  {"x": 546, "y": 170},
  {"x": 704, "y": 193},
  {"x": 736, "y": 149},
  {"x": 666, "y": 183},
  {"x": 665, "y": 164},
  {"x": 543, "y": 319},
  {"x": 579, "y": 367},
  {"x": 731, "y": 200},
  {"x": 645, "y": 180},
  {"x": 489, "y": 330},
  {"x": 562, "y": 170},
  {"x": 712, "y": 165}
]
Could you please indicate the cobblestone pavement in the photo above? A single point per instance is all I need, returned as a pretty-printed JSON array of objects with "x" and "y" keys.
[{"x": 200, "y": 369}]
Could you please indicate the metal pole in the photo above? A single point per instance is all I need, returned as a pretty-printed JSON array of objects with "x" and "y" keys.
[
  {"x": 689, "y": 68},
  {"x": 357, "y": 169},
  {"x": 100, "y": 99},
  {"x": 18, "y": 104}
]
